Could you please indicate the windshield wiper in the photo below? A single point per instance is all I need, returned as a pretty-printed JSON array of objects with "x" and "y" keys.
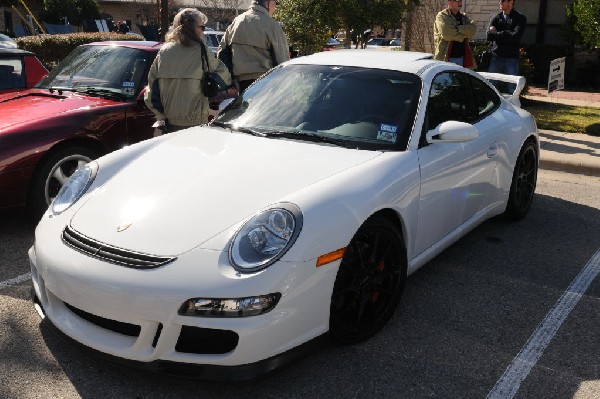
[
  {"x": 241, "y": 129},
  {"x": 307, "y": 136},
  {"x": 100, "y": 92},
  {"x": 57, "y": 89},
  {"x": 288, "y": 134}
]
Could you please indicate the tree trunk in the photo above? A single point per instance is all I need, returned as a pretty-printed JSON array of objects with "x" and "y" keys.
[
  {"x": 540, "y": 32},
  {"x": 164, "y": 18}
]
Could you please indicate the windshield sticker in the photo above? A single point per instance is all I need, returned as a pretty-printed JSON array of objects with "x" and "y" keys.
[
  {"x": 387, "y": 132},
  {"x": 128, "y": 88}
]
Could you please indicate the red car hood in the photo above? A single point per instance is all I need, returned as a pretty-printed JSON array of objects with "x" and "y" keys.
[{"x": 42, "y": 105}]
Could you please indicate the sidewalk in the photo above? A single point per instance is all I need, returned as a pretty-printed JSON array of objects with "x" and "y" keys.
[
  {"x": 568, "y": 152},
  {"x": 576, "y": 98}
]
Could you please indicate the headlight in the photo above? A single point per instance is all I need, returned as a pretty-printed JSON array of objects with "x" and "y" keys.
[
  {"x": 234, "y": 307},
  {"x": 265, "y": 238},
  {"x": 74, "y": 188}
]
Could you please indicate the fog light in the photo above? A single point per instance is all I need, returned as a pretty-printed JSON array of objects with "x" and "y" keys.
[{"x": 236, "y": 307}]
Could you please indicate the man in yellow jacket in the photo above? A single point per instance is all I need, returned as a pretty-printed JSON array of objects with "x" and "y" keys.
[
  {"x": 451, "y": 32},
  {"x": 254, "y": 43}
]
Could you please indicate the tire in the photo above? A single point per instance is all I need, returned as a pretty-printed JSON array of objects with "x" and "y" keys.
[
  {"x": 523, "y": 183},
  {"x": 51, "y": 175},
  {"x": 369, "y": 283}
]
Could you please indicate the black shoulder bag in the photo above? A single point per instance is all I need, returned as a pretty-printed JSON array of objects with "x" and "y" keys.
[{"x": 211, "y": 83}]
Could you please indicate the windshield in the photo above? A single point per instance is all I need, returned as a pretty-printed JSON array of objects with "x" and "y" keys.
[
  {"x": 100, "y": 70},
  {"x": 362, "y": 108}
]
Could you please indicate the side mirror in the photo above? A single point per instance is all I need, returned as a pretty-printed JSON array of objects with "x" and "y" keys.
[{"x": 452, "y": 132}]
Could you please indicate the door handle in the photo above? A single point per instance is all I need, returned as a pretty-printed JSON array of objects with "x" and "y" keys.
[{"x": 492, "y": 151}]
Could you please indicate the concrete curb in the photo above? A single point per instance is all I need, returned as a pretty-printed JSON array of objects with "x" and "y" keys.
[
  {"x": 570, "y": 152},
  {"x": 569, "y": 167}
]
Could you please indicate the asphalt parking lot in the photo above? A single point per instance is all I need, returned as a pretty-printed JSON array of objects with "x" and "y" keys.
[{"x": 464, "y": 320}]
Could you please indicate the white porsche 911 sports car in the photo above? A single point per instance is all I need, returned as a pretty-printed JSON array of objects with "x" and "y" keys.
[{"x": 299, "y": 211}]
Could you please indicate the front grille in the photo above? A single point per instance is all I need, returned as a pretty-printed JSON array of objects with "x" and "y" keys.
[
  {"x": 112, "y": 254},
  {"x": 130, "y": 330},
  {"x": 206, "y": 340}
]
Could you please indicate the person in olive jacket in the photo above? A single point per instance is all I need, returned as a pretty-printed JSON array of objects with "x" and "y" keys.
[
  {"x": 174, "y": 92},
  {"x": 254, "y": 43},
  {"x": 505, "y": 32},
  {"x": 452, "y": 31}
]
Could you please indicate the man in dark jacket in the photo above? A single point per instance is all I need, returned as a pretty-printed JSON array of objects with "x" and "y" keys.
[{"x": 506, "y": 30}]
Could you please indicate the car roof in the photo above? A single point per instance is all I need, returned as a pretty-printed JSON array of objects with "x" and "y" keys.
[
  {"x": 4, "y": 50},
  {"x": 405, "y": 61},
  {"x": 138, "y": 44}
]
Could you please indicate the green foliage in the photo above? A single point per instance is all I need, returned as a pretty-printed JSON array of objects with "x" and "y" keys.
[
  {"x": 51, "y": 49},
  {"x": 88, "y": 9},
  {"x": 526, "y": 69},
  {"x": 308, "y": 23},
  {"x": 55, "y": 10},
  {"x": 75, "y": 10},
  {"x": 564, "y": 118},
  {"x": 541, "y": 55},
  {"x": 584, "y": 18}
]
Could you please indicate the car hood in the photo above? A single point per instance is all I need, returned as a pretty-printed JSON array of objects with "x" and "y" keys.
[
  {"x": 201, "y": 182},
  {"x": 45, "y": 104}
]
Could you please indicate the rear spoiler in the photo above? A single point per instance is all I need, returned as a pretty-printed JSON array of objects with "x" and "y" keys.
[{"x": 513, "y": 98}]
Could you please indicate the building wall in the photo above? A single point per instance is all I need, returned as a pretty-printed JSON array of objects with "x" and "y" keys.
[{"x": 35, "y": 6}]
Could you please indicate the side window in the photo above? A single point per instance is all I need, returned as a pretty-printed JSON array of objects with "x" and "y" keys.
[
  {"x": 11, "y": 73},
  {"x": 486, "y": 99},
  {"x": 450, "y": 100}
]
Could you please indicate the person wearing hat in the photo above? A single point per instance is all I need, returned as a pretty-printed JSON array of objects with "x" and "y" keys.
[
  {"x": 253, "y": 43},
  {"x": 452, "y": 31}
]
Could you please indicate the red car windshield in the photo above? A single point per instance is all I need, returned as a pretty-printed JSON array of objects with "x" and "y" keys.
[{"x": 115, "y": 69}]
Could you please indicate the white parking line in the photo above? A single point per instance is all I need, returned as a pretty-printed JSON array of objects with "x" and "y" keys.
[
  {"x": 508, "y": 385},
  {"x": 14, "y": 281}
]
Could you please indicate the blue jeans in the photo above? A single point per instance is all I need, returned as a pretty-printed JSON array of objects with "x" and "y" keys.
[
  {"x": 457, "y": 60},
  {"x": 507, "y": 66}
]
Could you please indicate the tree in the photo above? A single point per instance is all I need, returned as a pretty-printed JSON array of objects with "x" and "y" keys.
[
  {"x": 86, "y": 9},
  {"x": 307, "y": 23},
  {"x": 361, "y": 15},
  {"x": 418, "y": 27},
  {"x": 584, "y": 16},
  {"x": 54, "y": 11}
]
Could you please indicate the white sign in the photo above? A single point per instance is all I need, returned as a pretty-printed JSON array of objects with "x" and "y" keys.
[{"x": 556, "y": 77}]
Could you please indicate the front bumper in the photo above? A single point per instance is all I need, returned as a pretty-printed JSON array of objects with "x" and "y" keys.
[
  {"x": 242, "y": 372},
  {"x": 133, "y": 314}
]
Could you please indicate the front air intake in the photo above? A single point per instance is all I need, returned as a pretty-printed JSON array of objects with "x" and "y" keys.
[{"x": 112, "y": 254}]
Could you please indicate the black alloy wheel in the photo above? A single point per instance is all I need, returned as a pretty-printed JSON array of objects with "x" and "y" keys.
[
  {"x": 523, "y": 183},
  {"x": 369, "y": 282}
]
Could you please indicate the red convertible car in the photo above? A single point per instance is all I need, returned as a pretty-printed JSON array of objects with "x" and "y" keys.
[
  {"x": 19, "y": 70},
  {"x": 89, "y": 105}
]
